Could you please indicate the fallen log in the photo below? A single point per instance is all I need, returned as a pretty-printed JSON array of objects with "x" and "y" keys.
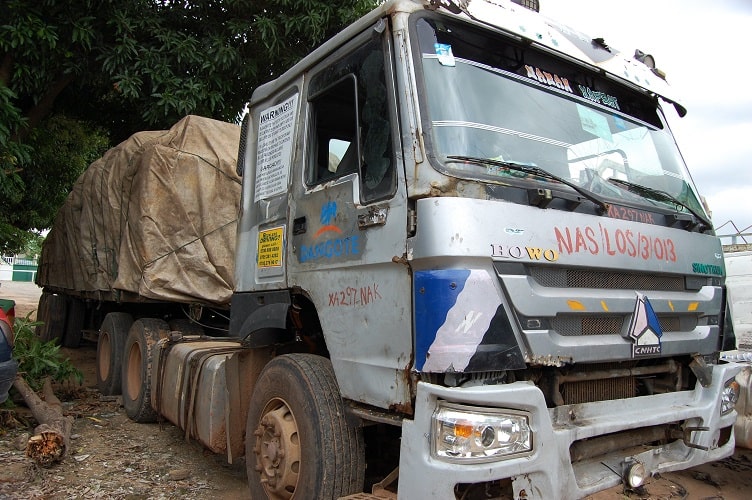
[{"x": 51, "y": 439}]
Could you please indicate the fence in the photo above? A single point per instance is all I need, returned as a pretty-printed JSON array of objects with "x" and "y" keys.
[{"x": 15, "y": 268}]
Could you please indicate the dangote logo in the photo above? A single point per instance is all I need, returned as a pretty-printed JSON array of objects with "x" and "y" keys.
[
  {"x": 645, "y": 329},
  {"x": 336, "y": 246}
]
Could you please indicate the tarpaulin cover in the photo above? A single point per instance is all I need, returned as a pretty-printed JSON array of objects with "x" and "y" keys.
[{"x": 155, "y": 216}]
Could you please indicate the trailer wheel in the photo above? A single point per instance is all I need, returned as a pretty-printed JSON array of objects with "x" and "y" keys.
[
  {"x": 112, "y": 335},
  {"x": 41, "y": 315},
  {"x": 51, "y": 313},
  {"x": 142, "y": 337},
  {"x": 74, "y": 323},
  {"x": 298, "y": 439}
]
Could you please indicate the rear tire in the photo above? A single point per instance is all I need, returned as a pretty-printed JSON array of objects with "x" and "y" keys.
[
  {"x": 74, "y": 323},
  {"x": 51, "y": 313},
  {"x": 136, "y": 388},
  {"x": 298, "y": 439},
  {"x": 42, "y": 313},
  {"x": 110, "y": 345}
]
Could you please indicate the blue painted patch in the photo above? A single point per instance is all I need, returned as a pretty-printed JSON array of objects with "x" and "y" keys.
[
  {"x": 653, "y": 322},
  {"x": 338, "y": 247},
  {"x": 328, "y": 212},
  {"x": 435, "y": 293}
]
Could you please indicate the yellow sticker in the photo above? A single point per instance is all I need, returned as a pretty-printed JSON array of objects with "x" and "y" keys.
[{"x": 269, "y": 252}]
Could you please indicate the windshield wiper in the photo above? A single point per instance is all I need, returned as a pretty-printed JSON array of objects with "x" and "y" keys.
[
  {"x": 658, "y": 195},
  {"x": 537, "y": 171}
]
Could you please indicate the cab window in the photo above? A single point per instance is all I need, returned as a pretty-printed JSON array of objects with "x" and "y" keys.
[{"x": 350, "y": 128}]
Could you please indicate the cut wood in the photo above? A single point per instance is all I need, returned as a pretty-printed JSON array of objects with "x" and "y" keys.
[{"x": 51, "y": 438}]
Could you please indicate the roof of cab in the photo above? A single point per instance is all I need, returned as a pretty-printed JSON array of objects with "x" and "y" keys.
[{"x": 512, "y": 19}]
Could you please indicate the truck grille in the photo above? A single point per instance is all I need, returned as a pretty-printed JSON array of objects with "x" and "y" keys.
[
  {"x": 598, "y": 390},
  {"x": 608, "y": 381},
  {"x": 571, "y": 325},
  {"x": 579, "y": 278}
]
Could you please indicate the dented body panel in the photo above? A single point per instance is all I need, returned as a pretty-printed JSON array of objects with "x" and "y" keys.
[
  {"x": 513, "y": 268},
  {"x": 548, "y": 472}
]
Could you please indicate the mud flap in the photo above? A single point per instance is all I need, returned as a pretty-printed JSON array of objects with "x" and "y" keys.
[{"x": 241, "y": 372}]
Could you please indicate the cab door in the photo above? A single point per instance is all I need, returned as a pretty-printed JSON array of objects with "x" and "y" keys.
[{"x": 349, "y": 220}]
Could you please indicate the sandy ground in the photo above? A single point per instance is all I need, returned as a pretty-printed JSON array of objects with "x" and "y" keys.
[
  {"x": 25, "y": 294},
  {"x": 112, "y": 457}
]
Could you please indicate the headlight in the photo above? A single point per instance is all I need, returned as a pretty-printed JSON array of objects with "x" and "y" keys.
[
  {"x": 729, "y": 396},
  {"x": 474, "y": 434}
]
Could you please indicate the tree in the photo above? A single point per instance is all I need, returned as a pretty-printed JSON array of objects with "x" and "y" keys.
[
  {"x": 63, "y": 148},
  {"x": 127, "y": 65}
]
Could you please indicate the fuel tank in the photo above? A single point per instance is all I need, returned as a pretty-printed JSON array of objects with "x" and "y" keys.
[{"x": 190, "y": 387}]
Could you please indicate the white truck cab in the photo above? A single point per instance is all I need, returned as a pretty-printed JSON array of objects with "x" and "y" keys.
[{"x": 481, "y": 218}]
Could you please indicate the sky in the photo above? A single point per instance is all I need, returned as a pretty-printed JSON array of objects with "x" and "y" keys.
[{"x": 704, "y": 48}]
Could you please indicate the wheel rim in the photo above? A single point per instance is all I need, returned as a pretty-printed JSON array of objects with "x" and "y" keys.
[
  {"x": 134, "y": 382},
  {"x": 277, "y": 450},
  {"x": 104, "y": 356}
]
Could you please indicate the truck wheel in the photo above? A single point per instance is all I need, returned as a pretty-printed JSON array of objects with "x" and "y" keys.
[
  {"x": 112, "y": 335},
  {"x": 142, "y": 337},
  {"x": 52, "y": 309},
  {"x": 298, "y": 439},
  {"x": 74, "y": 323},
  {"x": 41, "y": 315}
]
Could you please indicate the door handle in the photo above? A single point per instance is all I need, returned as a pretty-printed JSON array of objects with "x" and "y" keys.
[{"x": 375, "y": 216}]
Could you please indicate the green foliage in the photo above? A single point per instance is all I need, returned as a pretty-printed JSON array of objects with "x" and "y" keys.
[
  {"x": 33, "y": 247},
  {"x": 63, "y": 149},
  {"x": 12, "y": 239},
  {"x": 12, "y": 153},
  {"x": 38, "y": 360},
  {"x": 158, "y": 60}
]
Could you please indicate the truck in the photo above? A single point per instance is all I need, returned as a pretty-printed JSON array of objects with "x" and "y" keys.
[
  {"x": 738, "y": 260},
  {"x": 468, "y": 261}
]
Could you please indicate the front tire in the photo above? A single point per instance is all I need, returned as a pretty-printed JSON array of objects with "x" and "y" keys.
[
  {"x": 298, "y": 438},
  {"x": 142, "y": 337}
]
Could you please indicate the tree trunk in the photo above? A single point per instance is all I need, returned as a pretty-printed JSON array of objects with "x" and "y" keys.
[
  {"x": 6, "y": 69},
  {"x": 43, "y": 107},
  {"x": 51, "y": 438}
]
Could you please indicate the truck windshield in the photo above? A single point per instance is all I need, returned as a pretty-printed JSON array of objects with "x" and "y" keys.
[{"x": 490, "y": 98}]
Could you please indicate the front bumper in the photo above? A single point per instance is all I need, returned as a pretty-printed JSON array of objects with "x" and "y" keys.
[{"x": 548, "y": 472}]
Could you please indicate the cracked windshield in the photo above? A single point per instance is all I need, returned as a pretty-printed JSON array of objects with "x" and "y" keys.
[{"x": 526, "y": 111}]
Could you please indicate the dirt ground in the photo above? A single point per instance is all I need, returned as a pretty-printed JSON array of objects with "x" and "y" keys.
[{"x": 112, "y": 457}]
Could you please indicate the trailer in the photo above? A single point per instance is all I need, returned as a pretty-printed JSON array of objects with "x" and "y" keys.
[{"x": 459, "y": 255}]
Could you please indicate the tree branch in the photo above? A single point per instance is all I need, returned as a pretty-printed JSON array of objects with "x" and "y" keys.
[
  {"x": 44, "y": 106},
  {"x": 51, "y": 439}
]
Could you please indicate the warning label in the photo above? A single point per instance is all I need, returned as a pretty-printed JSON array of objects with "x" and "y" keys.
[
  {"x": 275, "y": 137},
  {"x": 269, "y": 252}
]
